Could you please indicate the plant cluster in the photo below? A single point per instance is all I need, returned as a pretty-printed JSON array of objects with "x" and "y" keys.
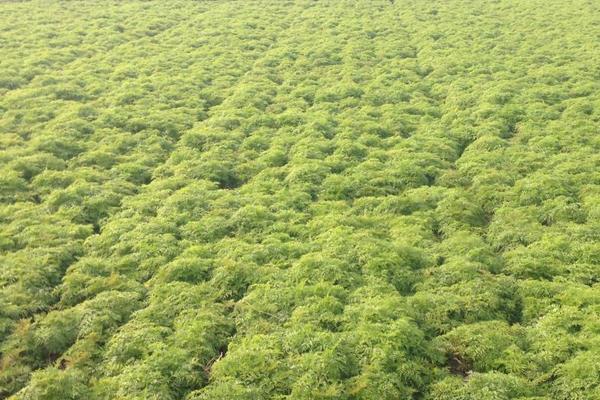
[{"x": 300, "y": 200}]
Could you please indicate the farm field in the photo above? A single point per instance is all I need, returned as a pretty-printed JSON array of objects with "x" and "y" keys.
[{"x": 332, "y": 199}]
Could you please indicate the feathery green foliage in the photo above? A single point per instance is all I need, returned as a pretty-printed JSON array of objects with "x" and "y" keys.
[{"x": 346, "y": 199}]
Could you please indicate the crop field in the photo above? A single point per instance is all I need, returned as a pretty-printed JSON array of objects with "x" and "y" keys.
[{"x": 311, "y": 199}]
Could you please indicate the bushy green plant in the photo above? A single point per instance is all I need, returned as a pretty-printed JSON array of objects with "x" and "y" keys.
[{"x": 340, "y": 199}]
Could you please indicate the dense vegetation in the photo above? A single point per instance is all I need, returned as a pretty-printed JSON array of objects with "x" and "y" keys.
[{"x": 364, "y": 199}]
